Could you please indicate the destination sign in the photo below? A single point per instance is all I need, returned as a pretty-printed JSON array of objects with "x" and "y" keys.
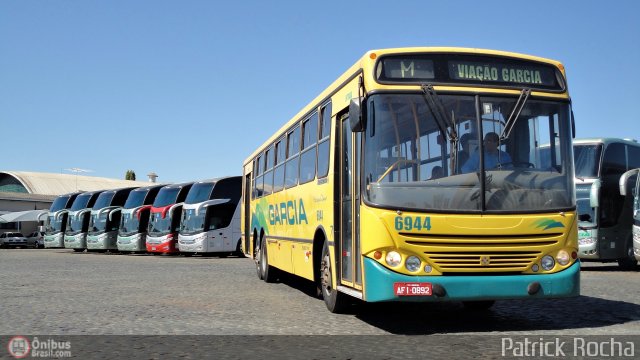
[
  {"x": 506, "y": 73},
  {"x": 467, "y": 69}
]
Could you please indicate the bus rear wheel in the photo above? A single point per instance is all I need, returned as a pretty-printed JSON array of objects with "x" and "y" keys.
[
  {"x": 478, "y": 305},
  {"x": 335, "y": 301},
  {"x": 267, "y": 271}
]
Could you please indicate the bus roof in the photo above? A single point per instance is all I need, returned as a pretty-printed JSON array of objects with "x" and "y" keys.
[
  {"x": 369, "y": 60},
  {"x": 605, "y": 140}
]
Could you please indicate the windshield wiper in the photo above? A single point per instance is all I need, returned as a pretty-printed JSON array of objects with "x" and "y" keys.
[
  {"x": 515, "y": 113},
  {"x": 439, "y": 113}
]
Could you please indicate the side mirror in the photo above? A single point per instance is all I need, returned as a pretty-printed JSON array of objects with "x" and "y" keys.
[
  {"x": 357, "y": 114},
  {"x": 594, "y": 194}
]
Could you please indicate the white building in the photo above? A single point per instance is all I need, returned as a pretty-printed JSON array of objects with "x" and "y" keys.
[{"x": 22, "y": 191}]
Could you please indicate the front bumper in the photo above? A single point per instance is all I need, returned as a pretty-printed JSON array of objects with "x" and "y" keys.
[
  {"x": 132, "y": 243},
  {"x": 54, "y": 241},
  {"x": 380, "y": 280},
  {"x": 102, "y": 242},
  {"x": 78, "y": 241}
]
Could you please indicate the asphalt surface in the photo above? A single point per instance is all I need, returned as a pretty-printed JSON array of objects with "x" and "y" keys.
[{"x": 59, "y": 292}]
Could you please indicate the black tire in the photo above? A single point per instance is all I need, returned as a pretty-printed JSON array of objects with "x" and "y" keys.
[
  {"x": 268, "y": 272},
  {"x": 335, "y": 301},
  {"x": 256, "y": 258},
  {"x": 629, "y": 262},
  {"x": 478, "y": 305},
  {"x": 238, "y": 251},
  {"x": 78, "y": 250}
]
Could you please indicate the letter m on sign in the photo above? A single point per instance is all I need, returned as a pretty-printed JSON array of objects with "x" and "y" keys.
[{"x": 404, "y": 68}]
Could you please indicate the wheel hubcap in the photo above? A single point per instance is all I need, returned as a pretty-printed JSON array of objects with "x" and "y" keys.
[{"x": 326, "y": 274}]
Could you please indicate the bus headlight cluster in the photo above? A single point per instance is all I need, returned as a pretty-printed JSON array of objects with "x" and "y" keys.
[
  {"x": 393, "y": 258},
  {"x": 413, "y": 263},
  {"x": 563, "y": 257},
  {"x": 547, "y": 262}
]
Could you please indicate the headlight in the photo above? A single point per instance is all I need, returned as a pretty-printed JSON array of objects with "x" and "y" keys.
[
  {"x": 393, "y": 259},
  {"x": 413, "y": 263},
  {"x": 547, "y": 262},
  {"x": 563, "y": 257}
]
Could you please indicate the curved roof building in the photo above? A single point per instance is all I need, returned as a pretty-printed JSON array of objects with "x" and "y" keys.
[{"x": 57, "y": 184}]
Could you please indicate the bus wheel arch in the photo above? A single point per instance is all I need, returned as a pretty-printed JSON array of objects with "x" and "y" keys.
[{"x": 335, "y": 301}]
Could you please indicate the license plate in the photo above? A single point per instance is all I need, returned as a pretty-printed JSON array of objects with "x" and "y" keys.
[
  {"x": 412, "y": 289},
  {"x": 153, "y": 248}
]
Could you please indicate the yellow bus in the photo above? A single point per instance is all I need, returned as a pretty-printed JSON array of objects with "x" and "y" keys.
[{"x": 422, "y": 174}]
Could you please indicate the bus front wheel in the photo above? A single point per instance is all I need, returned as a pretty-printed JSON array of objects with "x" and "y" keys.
[
  {"x": 628, "y": 262},
  {"x": 336, "y": 302},
  {"x": 267, "y": 271}
]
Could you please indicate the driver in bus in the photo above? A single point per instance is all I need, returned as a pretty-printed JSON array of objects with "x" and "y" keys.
[{"x": 493, "y": 156}]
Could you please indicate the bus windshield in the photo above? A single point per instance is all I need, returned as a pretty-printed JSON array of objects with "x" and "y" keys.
[
  {"x": 104, "y": 200},
  {"x": 587, "y": 160},
  {"x": 199, "y": 192},
  {"x": 129, "y": 223},
  {"x": 414, "y": 160},
  {"x": 192, "y": 223},
  {"x": 98, "y": 223},
  {"x": 53, "y": 225},
  {"x": 166, "y": 196},
  {"x": 59, "y": 203},
  {"x": 81, "y": 202},
  {"x": 159, "y": 226},
  {"x": 135, "y": 199},
  {"x": 75, "y": 223}
]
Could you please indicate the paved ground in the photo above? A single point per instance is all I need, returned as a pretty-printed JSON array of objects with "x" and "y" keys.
[{"x": 59, "y": 292}]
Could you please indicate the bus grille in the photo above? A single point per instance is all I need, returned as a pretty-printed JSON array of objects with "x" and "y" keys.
[{"x": 482, "y": 253}]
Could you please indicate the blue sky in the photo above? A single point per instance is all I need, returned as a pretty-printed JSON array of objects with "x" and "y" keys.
[{"x": 188, "y": 89}]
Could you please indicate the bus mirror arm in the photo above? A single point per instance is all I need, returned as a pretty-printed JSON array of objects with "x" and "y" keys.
[
  {"x": 594, "y": 194},
  {"x": 118, "y": 209},
  {"x": 211, "y": 203},
  {"x": 45, "y": 214},
  {"x": 81, "y": 212},
  {"x": 108, "y": 208},
  {"x": 59, "y": 213},
  {"x": 624, "y": 179},
  {"x": 139, "y": 209},
  {"x": 173, "y": 207}
]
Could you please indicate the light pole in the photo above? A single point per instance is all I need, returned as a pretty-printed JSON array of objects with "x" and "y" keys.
[{"x": 76, "y": 171}]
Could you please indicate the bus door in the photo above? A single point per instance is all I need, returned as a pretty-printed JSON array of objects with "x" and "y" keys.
[
  {"x": 349, "y": 239},
  {"x": 247, "y": 213}
]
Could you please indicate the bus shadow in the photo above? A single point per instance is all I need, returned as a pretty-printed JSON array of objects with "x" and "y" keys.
[
  {"x": 507, "y": 315},
  {"x": 608, "y": 268},
  {"x": 414, "y": 318}
]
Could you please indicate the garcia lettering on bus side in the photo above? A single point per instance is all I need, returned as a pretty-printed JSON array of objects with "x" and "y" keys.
[{"x": 291, "y": 212}]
